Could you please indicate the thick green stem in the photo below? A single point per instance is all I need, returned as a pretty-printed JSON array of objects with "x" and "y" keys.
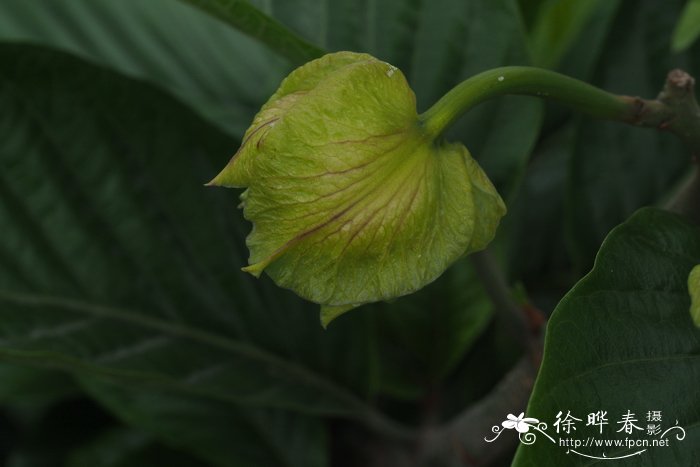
[
  {"x": 524, "y": 81},
  {"x": 675, "y": 109}
]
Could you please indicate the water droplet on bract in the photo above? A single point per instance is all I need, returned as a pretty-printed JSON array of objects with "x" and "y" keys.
[{"x": 501, "y": 78}]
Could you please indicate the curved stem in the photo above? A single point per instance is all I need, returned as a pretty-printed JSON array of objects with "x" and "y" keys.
[
  {"x": 524, "y": 81},
  {"x": 675, "y": 109}
]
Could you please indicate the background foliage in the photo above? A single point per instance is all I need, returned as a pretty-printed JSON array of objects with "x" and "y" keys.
[{"x": 128, "y": 333}]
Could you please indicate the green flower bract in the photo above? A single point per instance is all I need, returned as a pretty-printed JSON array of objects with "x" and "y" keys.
[{"x": 351, "y": 200}]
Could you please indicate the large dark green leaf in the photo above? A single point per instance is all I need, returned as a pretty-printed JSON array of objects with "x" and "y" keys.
[
  {"x": 116, "y": 261},
  {"x": 216, "y": 433},
  {"x": 220, "y": 72},
  {"x": 621, "y": 340}
]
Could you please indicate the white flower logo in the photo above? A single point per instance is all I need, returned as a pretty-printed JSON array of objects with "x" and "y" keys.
[{"x": 520, "y": 423}]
